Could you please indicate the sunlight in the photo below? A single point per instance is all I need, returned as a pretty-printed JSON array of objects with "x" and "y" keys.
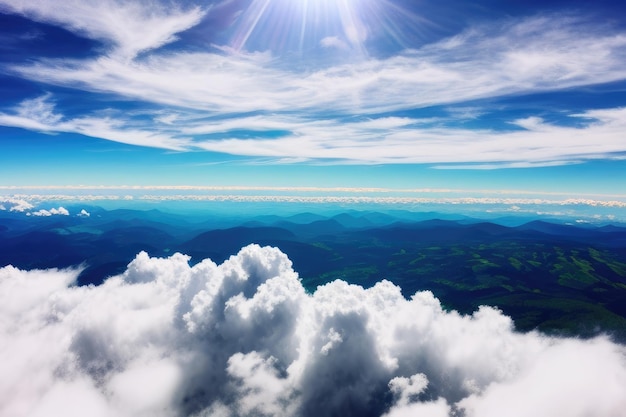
[{"x": 284, "y": 26}]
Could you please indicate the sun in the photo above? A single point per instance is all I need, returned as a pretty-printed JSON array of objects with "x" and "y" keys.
[{"x": 285, "y": 26}]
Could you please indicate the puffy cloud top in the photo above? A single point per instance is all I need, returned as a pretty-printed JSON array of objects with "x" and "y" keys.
[
  {"x": 244, "y": 338},
  {"x": 15, "y": 204},
  {"x": 47, "y": 213}
]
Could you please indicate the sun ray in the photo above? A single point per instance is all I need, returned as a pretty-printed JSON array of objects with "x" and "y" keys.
[
  {"x": 300, "y": 28},
  {"x": 253, "y": 15},
  {"x": 353, "y": 28},
  {"x": 305, "y": 8}
]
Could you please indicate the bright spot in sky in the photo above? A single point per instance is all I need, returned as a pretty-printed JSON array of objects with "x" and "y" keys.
[{"x": 287, "y": 25}]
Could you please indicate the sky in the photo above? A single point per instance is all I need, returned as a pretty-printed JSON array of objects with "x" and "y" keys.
[
  {"x": 515, "y": 103},
  {"x": 492, "y": 95}
]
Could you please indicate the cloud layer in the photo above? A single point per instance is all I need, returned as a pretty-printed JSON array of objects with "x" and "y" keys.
[
  {"x": 244, "y": 338},
  {"x": 15, "y": 204}
]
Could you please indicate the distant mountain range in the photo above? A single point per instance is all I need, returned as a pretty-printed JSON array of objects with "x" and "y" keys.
[{"x": 117, "y": 235}]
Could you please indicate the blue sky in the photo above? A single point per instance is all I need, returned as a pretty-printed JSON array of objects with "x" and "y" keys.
[{"x": 318, "y": 93}]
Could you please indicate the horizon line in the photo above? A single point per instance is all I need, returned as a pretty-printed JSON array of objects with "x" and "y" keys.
[{"x": 424, "y": 190}]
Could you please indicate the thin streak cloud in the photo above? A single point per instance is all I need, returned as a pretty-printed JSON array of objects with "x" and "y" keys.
[
  {"x": 24, "y": 200},
  {"x": 531, "y": 55},
  {"x": 330, "y": 190},
  {"x": 396, "y": 140},
  {"x": 126, "y": 27},
  {"x": 39, "y": 114}
]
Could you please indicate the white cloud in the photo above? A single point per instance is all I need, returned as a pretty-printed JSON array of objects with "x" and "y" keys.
[
  {"x": 405, "y": 388},
  {"x": 438, "y": 408},
  {"x": 167, "y": 119},
  {"x": 38, "y": 114},
  {"x": 83, "y": 213},
  {"x": 47, "y": 213},
  {"x": 530, "y": 55},
  {"x": 244, "y": 338},
  {"x": 403, "y": 140},
  {"x": 570, "y": 366},
  {"x": 15, "y": 204},
  {"x": 27, "y": 190},
  {"x": 373, "y": 140},
  {"x": 592, "y": 207},
  {"x": 334, "y": 42},
  {"x": 39, "y": 110},
  {"x": 131, "y": 27}
]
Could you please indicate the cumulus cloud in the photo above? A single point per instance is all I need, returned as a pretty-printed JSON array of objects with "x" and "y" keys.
[
  {"x": 244, "y": 338},
  {"x": 15, "y": 204},
  {"x": 83, "y": 213},
  {"x": 47, "y": 213}
]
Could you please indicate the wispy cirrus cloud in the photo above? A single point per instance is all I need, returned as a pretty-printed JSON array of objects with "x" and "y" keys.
[
  {"x": 394, "y": 140},
  {"x": 516, "y": 57},
  {"x": 127, "y": 28},
  {"x": 39, "y": 114},
  {"x": 529, "y": 142},
  {"x": 255, "y": 104}
]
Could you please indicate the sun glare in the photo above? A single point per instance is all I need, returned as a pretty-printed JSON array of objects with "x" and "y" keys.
[{"x": 284, "y": 26}]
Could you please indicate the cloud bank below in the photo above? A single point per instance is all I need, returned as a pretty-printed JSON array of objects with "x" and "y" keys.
[{"x": 244, "y": 338}]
